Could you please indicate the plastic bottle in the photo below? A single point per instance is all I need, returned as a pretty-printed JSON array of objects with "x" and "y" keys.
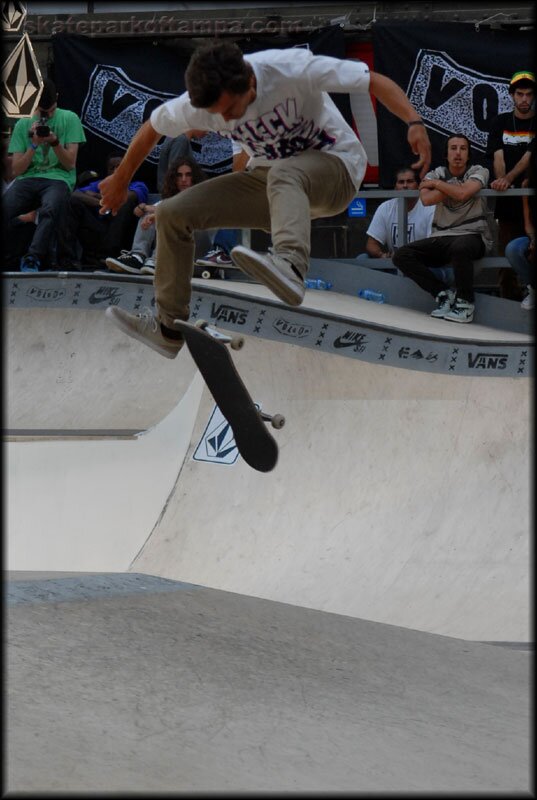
[
  {"x": 317, "y": 283},
  {"x": 369, "y": 294}
]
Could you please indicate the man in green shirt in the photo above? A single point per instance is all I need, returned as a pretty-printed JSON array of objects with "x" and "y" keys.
[{"x": 45, "y": 149}]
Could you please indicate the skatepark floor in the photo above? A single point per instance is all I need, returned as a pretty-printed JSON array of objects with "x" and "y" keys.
[{"x": 135, "y": 683}]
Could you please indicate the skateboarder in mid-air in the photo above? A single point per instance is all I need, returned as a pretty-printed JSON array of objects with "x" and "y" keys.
[{"x": 305, "y": 162}]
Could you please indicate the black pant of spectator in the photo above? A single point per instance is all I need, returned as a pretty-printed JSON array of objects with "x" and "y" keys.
[
  {"x": 50, "y": 197},
  {"x": 99, "y": 235},
  {"x": 460, "y": 252}
]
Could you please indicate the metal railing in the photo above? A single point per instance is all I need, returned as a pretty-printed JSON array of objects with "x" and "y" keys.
[{"x": 402, "y": 194}]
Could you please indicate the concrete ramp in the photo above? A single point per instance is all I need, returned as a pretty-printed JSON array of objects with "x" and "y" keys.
[
  {"x": 179, "y": 622},
  {"x": 399, "y": 497}
]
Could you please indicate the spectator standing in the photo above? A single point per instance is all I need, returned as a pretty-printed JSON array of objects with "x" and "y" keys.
[
  {"x": 45, "y": 149},
  {"x": 460, "y": 232},
  {"x": 140, "y": 258},
  {"x": 520, "y": 252},
  {"x": 305, "y": 161},
  {"x": 508, "y": 144}
]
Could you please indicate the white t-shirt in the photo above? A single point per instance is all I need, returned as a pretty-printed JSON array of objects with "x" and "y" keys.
[
  {"x": 291, "y": 113},
  {"x": 385, "y": 229}
]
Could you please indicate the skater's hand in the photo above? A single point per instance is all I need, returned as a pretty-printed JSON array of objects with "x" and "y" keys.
[
  {"x": 418, "y": 140},
  {"x": 114, "y": 194}
]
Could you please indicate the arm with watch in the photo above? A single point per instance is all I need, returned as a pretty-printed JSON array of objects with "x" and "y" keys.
[
  {"x": 66, "y": 154},
  {"x": 392, "y": 96}
]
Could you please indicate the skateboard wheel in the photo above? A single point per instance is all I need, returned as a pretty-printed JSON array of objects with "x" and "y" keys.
[
  {"x": 277, "y": 421},
  {"x": 206, "y": 274},
  {"x": 201, "y": 323},
  {"x": 237, "y": 342}
]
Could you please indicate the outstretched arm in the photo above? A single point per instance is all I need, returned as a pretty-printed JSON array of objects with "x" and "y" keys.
[
  {"x": 114, "y": 188},
  {"x": 396, "y": 101}
]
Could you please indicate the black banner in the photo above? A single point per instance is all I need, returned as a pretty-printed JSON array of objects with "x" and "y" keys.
[
  {"x": 114, "y": 86},
  {"x": 456, "y": 76}
]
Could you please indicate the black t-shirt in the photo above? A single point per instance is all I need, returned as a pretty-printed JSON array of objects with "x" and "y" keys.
[{"x": 513, "y": 136}]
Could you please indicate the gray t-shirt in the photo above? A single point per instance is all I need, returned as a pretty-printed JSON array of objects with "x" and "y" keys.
[{"x": 455, "y": 218}]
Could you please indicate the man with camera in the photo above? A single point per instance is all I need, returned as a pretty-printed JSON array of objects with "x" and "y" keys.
[{"x": 45, "y": 149}]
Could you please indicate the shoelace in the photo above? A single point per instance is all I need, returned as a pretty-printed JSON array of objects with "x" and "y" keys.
[{"x": 148, "y": 319}]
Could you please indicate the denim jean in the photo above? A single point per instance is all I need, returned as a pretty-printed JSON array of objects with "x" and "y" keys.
[
  {"x": 515, "y": 253},
  {"x": 27, "y": 194}
]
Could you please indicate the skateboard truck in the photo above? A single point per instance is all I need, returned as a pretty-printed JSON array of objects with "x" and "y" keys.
[{"x": 237, "y": 343}]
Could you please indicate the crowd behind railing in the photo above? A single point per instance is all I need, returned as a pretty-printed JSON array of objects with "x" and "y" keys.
[{"x": 52, "y": 214}]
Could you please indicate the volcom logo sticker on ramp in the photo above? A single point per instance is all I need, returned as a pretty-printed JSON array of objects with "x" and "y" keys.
[{"x": 217, "y": 444}]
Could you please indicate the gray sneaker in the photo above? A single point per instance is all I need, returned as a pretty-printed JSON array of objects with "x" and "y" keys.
[
  {"x": 462, "y": 311},
  {"x": 272, "y": 270},
  {"x": 146, "y": 328},
  {"x": 444, "y": 301}
]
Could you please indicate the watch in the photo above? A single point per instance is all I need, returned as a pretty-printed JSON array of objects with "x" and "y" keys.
[{"x": 55, "y": 143}]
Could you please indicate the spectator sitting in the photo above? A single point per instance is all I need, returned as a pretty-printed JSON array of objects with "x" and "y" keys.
[
  {"x": 460, "y": 232},
  {"x": 383, "y": 231},
  {"x": 45, "y": 149},
  {"x": 140, "y": 258},
  {"x": 100, "y": 235}
]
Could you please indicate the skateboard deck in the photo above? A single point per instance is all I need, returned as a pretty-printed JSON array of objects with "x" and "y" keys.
[{"x": 211, "y": 355}]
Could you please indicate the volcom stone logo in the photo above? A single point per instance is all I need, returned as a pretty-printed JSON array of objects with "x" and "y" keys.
[
  {"x": 115, "y": 106},
  {"x": 292, "y": 329},
  {"x": 45, "y": 295},
  {"x": 450, "y": 98}
]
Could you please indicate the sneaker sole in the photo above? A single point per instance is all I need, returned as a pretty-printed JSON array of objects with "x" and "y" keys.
[
  {"x": 458, "y": 319},
  {"x": 115, "y": 266},
  {"x": 117, "y": 320},
  {"x": 439, "y": 315},
  {"x": 283, "y": 289}
]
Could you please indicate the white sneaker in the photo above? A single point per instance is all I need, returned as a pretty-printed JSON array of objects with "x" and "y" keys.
[
  {"x": 528, "y": 304},
  {"x": 149, "y": 266},
  {"x": 462, "y": 311},
  {"x": 274, "y": 271},
  {"x": 444, "y": 301},
  {"x": 146, "y": 328}
]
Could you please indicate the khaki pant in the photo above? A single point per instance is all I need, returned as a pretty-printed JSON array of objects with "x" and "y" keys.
[{"x": 281, "y": 200}]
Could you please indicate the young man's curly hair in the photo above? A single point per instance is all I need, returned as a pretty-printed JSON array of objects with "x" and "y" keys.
[
  {"x": 213, "y": 69},
  {"x": 169, "y": 185}
]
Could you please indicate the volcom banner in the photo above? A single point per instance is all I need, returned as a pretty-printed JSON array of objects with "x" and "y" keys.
[
  {"x": 456, "y": 76},
  {"x": 114, "y": 87}
]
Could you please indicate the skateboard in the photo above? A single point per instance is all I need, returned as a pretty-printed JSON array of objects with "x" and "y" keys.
[
  {"x": 221, "y": 273},
  {"x": 209, "y": 349}
]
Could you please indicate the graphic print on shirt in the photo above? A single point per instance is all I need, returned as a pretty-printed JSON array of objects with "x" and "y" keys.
[{"x": 281, "y": 133}]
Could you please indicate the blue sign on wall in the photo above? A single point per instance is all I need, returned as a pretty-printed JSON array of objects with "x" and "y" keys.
[{"x": 357, "y": 208}]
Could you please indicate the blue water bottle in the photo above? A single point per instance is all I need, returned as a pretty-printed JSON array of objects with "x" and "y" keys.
[
  {"x": 369, "y": 294},
  {"x": 317, "y": 283}
]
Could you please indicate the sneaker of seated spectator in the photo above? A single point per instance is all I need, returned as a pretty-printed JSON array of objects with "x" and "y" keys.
[
  {"x": 528, "y": 303},
  {"x": 217, "y": 257},
  {"x": 128, "y": 261}
]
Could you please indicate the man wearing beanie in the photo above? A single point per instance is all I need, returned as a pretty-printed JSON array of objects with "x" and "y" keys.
[{"x": 45, "y": 149}]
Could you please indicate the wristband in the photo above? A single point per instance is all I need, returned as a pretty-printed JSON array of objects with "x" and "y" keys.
[
  {"x": 416, "y": 122},
  {"x": 34, "y": 146}
]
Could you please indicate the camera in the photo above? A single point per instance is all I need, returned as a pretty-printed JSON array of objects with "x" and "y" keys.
[{"x": 42, "y": 128}]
